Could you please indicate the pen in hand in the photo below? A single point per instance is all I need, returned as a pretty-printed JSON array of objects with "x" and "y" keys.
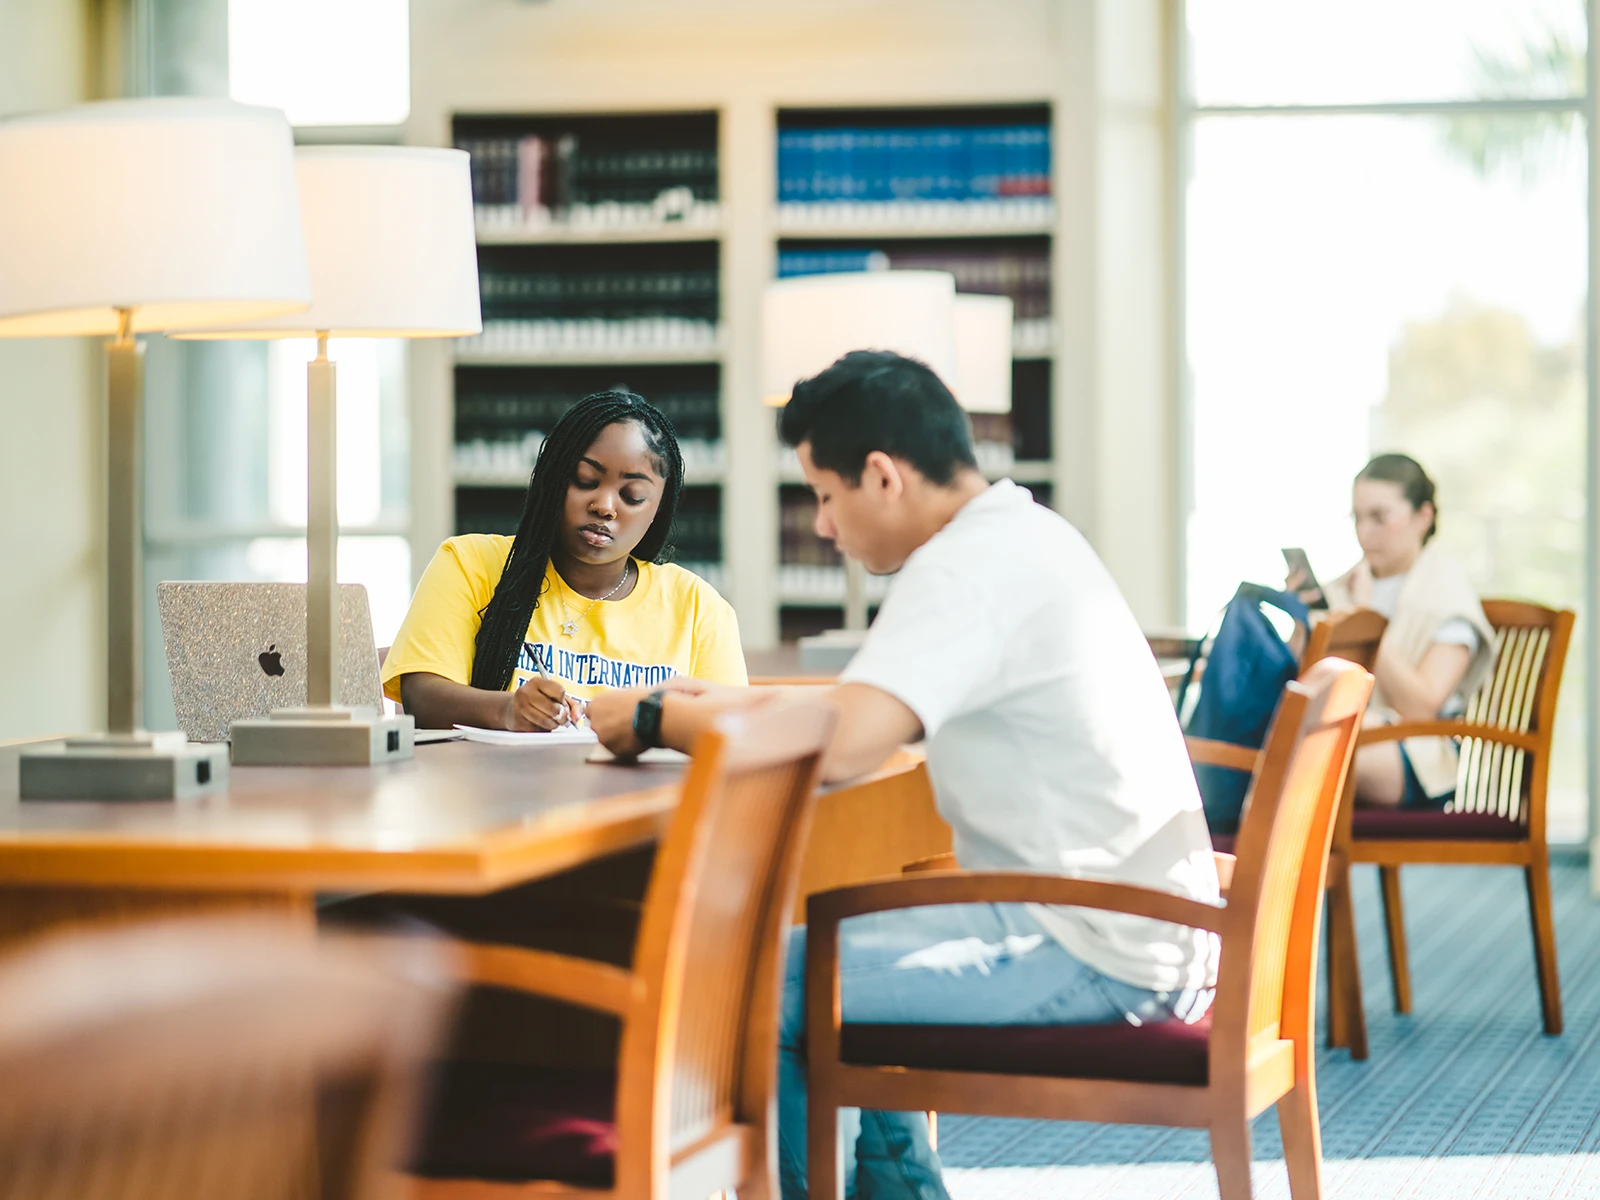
[{"x": 573, "y": 709}]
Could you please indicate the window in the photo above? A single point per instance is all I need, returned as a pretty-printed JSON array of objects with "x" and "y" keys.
[
  {"x": 1389, "y": 253},
  {"x": 226, "y": 477},
  {"x": 324, "y": 62}
]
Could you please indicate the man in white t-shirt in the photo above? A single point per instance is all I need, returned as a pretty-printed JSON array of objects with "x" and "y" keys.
[{"x": 1052, "y": 745}]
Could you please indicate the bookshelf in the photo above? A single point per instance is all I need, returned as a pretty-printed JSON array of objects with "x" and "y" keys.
[
  {"x": 958, "y": 189},
  {"x": 598, "y": 257},
  {"x": 629, "y": 248}
]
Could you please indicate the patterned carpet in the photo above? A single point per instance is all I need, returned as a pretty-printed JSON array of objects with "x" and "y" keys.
[{"x": 1463, "y": 1098}]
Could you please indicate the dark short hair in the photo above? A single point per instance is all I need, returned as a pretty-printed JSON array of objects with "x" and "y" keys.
[
  {"x": 878, "y": 400},
  {"x": 1406, "y": 471}
]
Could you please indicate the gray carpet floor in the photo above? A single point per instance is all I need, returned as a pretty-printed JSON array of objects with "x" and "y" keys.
[{"x": 1463, "y": 1098}]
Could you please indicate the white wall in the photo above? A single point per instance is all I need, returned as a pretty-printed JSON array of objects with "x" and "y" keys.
[{"x": 52, "y": 657}]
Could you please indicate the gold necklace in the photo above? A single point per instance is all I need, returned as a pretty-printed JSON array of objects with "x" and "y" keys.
[{"x": 569, "y": 626}]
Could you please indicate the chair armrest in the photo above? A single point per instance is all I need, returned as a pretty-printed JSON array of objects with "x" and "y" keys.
[
  {"x": 1008, "y": 887},
  {"x": 1225, "y": 865},
  {"x": 1221, "y": 754},
  {"x": 579, "y": 981},
  {"x": 1401, "y": 730}
]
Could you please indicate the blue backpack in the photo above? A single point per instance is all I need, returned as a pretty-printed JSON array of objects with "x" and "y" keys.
[{"x": 1248, "y": 661}]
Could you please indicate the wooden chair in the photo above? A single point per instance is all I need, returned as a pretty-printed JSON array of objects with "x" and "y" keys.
[
  {"x": 1496, "y": 819},
  {"x": 1353, "y": 635},
  {"x": 1254, "y": 1049},
  {"x": 234, "y": 1058},
  {"x": 690, "y": 1108}
]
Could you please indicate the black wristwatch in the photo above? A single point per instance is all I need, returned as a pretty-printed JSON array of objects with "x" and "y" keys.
[{"x": 647, "y": 719}]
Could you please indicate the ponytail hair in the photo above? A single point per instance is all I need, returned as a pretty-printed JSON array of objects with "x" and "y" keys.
[{"x": 1406, "y": 471}]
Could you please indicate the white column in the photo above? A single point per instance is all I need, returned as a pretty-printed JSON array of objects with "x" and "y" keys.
[{"x": 749, "y": 494}]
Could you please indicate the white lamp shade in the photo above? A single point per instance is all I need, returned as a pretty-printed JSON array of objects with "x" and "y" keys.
[
  {"x": 983, "y": 353},
  {"x": 809, "y": 322},
  {"x": 182, "y": 210},
  {"x": 389, "y": 234}
]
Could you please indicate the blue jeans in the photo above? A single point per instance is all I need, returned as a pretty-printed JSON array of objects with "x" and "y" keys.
[{"x": 960, "y": 964}]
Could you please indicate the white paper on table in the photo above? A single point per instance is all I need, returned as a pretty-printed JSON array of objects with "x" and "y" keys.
[
  {"x": 654, "y": 755},
  {"x": 504, "y": 737}
]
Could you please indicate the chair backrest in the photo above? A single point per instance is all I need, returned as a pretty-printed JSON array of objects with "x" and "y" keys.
[
  {"x": 1531, "y": 644},
  {"x": 1266, "y": 980},
  {"x": 1352, "y": 635},
  {"x": 211, "y": 1057},
  {"x": 699, "y": 1052}
]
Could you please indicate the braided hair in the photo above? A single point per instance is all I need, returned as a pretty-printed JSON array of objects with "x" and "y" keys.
[{"x": 505, "y": 618}]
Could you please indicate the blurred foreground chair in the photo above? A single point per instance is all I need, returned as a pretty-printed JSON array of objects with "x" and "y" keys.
[
  {"x": 1253, "y": 1049},
  {"x": 690, "y": 1108},
  {"x": 186, "y": 1060}
]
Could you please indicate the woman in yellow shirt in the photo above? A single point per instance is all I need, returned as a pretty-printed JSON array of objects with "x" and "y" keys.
[{"x": 514, "y": 633}]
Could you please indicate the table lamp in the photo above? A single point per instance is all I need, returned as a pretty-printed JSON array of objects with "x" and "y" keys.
[
  {"x": 120, "y": 218},
  {"x": 983, "y": 353},
  {"x": 389, "y": 236},
  {"x": 808, "y": 322}
]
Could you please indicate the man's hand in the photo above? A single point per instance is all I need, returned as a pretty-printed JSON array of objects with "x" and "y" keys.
[
  {"x": 611, "y": 718},
  {"x": 539, "y": 706}
]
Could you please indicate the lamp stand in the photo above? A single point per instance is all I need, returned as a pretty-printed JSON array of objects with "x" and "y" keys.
[
  {"x": 323, "y": 733},
  {"x": 126, "y": 762}
]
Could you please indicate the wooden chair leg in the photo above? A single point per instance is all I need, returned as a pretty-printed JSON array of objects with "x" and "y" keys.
[
  {"x": 1394, "y": 924},
  {"x": 1347, "y": 1020},
  {"x": 823, "y": 1174},
  {"x": 1302, "y": 1141},
  {"x": 1544, "y": 943},
  {"x": 1230, "y": 1151}
]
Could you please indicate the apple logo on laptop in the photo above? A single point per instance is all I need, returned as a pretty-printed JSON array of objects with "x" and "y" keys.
[{"x": 271, "y": 660}]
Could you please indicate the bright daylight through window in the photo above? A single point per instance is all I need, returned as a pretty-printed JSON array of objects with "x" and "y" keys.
[
  {"x": 1389, "y": 254},
  {"x": 324, "y": 62}
]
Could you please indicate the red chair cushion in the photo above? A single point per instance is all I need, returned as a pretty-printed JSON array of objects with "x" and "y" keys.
[
  {"x": 509, "y": 1122},
  {"x": 1161, "y": 1052},
  {"x": 1414, "y": 824}
]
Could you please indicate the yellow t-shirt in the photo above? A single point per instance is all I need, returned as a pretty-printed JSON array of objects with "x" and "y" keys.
[{"x": 672, "y": 623}]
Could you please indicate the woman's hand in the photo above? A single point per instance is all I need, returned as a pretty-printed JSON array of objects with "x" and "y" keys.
[
  {"x": 1296, "y": 582},
  {"x": 539, "y": 706}
]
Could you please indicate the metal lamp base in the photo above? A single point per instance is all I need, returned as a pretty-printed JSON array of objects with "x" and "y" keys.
[
  {"x": 322, "y": 737},
  {"x": 139, "y": 766}
]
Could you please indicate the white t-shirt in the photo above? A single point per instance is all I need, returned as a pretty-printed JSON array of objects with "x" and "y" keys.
[{"x": 1051, "y": 738}]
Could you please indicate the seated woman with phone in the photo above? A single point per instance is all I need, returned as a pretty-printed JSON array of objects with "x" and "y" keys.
[{"x": 1438, "y": 648}]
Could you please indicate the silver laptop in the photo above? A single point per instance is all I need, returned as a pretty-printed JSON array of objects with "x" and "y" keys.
[{"x": 238, "y": 650}]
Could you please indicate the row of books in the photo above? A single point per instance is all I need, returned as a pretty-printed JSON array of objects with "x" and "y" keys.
[
  {"x": 797, "y": 538},
  {"x": 804, "y": 583},
  {"x": 497, "y": 415},
  {"x": 697, "y": 536},
  {"x": 543, "y": 295},
  {"x": 534, "y": 171},
  {"x": 507, "y": 461},
  {"x": 1019, "y": 271},
  {"x": 955, "y": 163},
  {"x": 673, "y": 336},
  {"x": 1025, "y": 214},
  {"x": 668, "y": 211}
]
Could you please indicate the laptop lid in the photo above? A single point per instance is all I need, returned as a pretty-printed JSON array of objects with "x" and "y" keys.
[{"x": 238, "y": 650}]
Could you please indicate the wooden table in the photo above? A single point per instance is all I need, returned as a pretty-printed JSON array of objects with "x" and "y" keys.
[{"x": 459, "y": 818}]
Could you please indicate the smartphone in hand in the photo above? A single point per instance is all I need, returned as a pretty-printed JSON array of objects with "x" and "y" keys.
[{"x": 1294, "y": 558}]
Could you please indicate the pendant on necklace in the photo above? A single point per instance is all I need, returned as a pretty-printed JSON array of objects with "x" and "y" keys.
[{"x": 569, "y": 628}]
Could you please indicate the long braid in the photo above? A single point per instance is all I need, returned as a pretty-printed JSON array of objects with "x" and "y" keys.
[{"x": 506, "y": 617}]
